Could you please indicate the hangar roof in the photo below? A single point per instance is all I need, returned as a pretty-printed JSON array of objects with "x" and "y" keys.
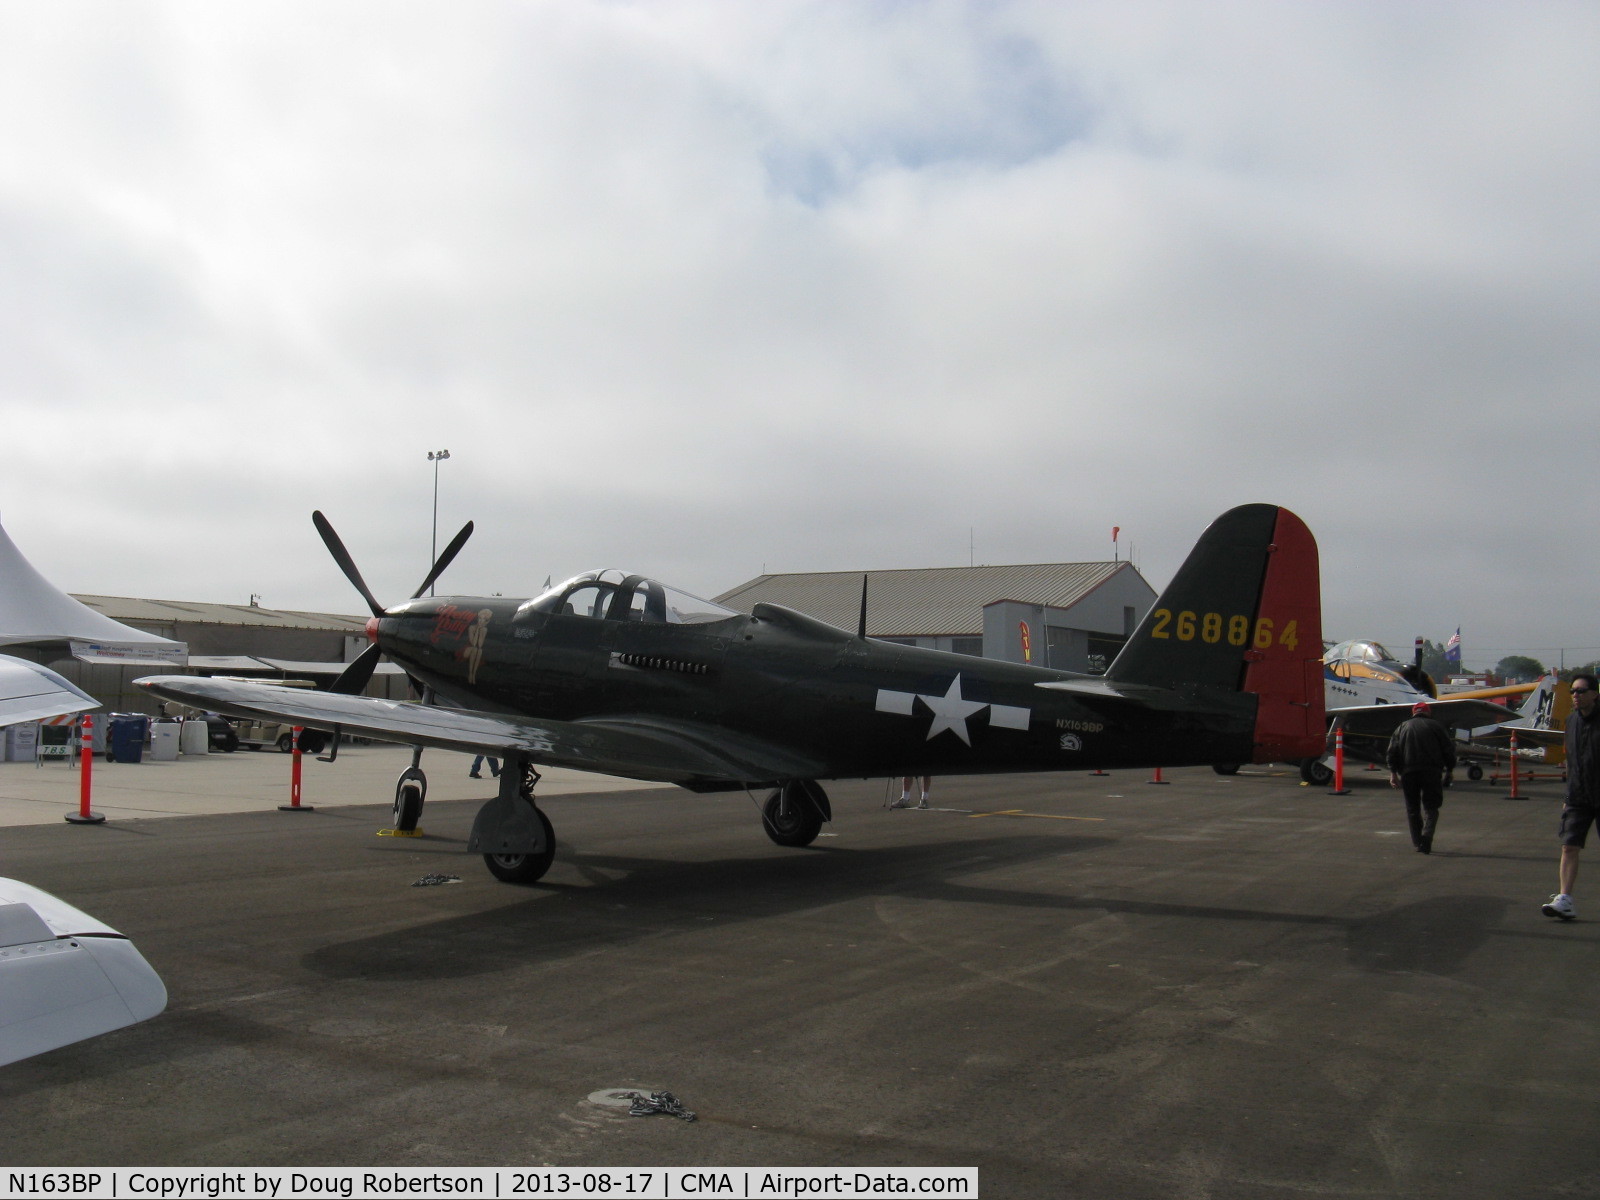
[
  {"x": 923, "y": 602},
  {"x": 195, "y": 612}
]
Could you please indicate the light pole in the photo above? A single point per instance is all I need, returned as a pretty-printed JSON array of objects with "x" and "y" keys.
[{"x": 436, "y": 457}]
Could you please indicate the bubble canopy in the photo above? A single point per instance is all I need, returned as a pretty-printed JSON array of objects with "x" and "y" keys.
[
  {"x": 1363, "y": 651},
  {"x": 614, "y": 595}
]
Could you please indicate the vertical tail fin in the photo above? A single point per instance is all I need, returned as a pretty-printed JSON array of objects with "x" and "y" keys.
[
  {"x": 1243, "y": 614},
  {"x": 1551, "y": 704}
]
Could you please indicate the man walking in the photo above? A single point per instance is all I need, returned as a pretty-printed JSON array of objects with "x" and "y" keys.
[
  {"x": 1583, "y": 790},
  {"x": 1421, "y": 756}
]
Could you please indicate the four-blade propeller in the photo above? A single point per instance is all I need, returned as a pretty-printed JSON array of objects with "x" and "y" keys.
[{"x": 358, "y": 674}]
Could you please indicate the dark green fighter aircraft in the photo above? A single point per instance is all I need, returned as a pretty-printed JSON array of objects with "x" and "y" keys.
[{"x": 620, "y": 674}]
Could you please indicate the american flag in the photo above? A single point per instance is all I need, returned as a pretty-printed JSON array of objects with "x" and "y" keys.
[{"x": 1452, "y": 648}]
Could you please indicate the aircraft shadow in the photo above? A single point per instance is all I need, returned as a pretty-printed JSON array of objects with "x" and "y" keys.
[{"x": 654, "y": 898}]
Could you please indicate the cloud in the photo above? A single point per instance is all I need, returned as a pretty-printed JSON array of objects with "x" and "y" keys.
[{"x": 701, "y": 286}]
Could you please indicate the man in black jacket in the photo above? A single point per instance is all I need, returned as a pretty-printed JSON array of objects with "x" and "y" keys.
[
  {"x": 1583, "y": 790},
  {"x": 1421, "y": 756}
]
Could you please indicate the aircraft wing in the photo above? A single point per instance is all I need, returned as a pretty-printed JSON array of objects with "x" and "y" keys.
[
  {"x": 65, "y": 976},
  {"x": 1494, "y": 693},
  {"x": 1380, "y": 720},
  {"x": 30, "y": 692},
  {"x": 639, "y": 748}
]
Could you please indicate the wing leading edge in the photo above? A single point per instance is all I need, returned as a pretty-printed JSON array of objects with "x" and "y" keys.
[
  {"x": 1383, "y": 719},
  {"x": 666, "y": 752},
  {"x": 30, "y": 692}
]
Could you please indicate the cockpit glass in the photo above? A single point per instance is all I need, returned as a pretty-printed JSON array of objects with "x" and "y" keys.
[
  {"x": 1368, "y": 652},
  {"x": 684, "y": 609},
  {"x": 617, "y": 596},
  {"x": 589, "y": 599}
]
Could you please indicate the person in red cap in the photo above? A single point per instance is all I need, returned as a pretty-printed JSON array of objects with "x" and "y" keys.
[{"x": 1422, "y": 754}]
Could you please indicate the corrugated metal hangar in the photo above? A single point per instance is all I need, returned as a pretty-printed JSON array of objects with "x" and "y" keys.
[{"x": 223, "y": 639}]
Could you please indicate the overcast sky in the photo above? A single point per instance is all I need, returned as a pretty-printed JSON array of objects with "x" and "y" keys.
[{"x": 707, "y": 289}]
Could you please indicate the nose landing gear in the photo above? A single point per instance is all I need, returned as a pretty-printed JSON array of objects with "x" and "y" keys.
[
  {"x": 410, "y": 790},
  {"x": 409, "y": 793}
]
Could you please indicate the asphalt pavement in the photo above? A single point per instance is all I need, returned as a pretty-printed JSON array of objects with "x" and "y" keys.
[{"x": 1084, "y": 986}]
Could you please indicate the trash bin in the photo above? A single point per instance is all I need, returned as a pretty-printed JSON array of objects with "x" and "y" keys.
[
  {"x": 164, "y": 741},
  {"x": 195, "y": 738},
  {"x": 127, "y": 737},
  {"x": 22, "y": 742}
]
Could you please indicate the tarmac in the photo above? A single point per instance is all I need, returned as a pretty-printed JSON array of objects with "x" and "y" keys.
[
  {"x": 248, "y": 781},
  {"x": 1085, "y": 986}
]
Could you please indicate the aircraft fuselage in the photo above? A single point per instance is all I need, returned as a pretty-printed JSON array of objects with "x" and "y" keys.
[{"x": 839, "y": 705}]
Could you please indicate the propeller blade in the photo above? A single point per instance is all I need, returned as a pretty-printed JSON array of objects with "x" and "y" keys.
[
  {"x": 330, "y": 539},
  {"x": 445, "y": 559},
  {"x": 354, "y": 678}
]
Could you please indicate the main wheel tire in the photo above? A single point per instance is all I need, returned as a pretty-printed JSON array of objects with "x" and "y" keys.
[
  {"x": 795, "y": 823},
  {"x": 524, "y": 868},
  {"x": 228, "y": 742},
  {"x": 1225, "y": 768},
  {"x": 1315, "y": 772}
]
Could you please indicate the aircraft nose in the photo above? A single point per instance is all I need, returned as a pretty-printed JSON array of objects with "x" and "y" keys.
[{"x": 372, "y": 629}]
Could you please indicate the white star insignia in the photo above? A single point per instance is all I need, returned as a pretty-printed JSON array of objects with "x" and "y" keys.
[{"x": 950, "y": 711}]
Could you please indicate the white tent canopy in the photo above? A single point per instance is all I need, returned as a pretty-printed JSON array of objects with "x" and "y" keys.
[{"x": 33, "y": 611}]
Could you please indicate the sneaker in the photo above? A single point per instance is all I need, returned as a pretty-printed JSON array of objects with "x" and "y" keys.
[
  {"x": 473, "y": 775},
  {"x": 903, "y": 802},
  {"x": 1560, "y": 905}
]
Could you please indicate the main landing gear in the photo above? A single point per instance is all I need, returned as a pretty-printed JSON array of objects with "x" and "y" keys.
[
  {"x": 516, "y": 839},
  {"x": 794, "y": 813},
  {"x": 1315, "y": 772}
]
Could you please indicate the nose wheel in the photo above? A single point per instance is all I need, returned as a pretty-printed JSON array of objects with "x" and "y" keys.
[{"x": 409, "y": 793}]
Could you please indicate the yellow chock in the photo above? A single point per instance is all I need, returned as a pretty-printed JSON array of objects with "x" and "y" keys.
[{"x": 399, "y": 833}]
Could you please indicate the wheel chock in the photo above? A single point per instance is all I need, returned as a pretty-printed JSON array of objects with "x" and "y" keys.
[{"x": 399, "y": 833}]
